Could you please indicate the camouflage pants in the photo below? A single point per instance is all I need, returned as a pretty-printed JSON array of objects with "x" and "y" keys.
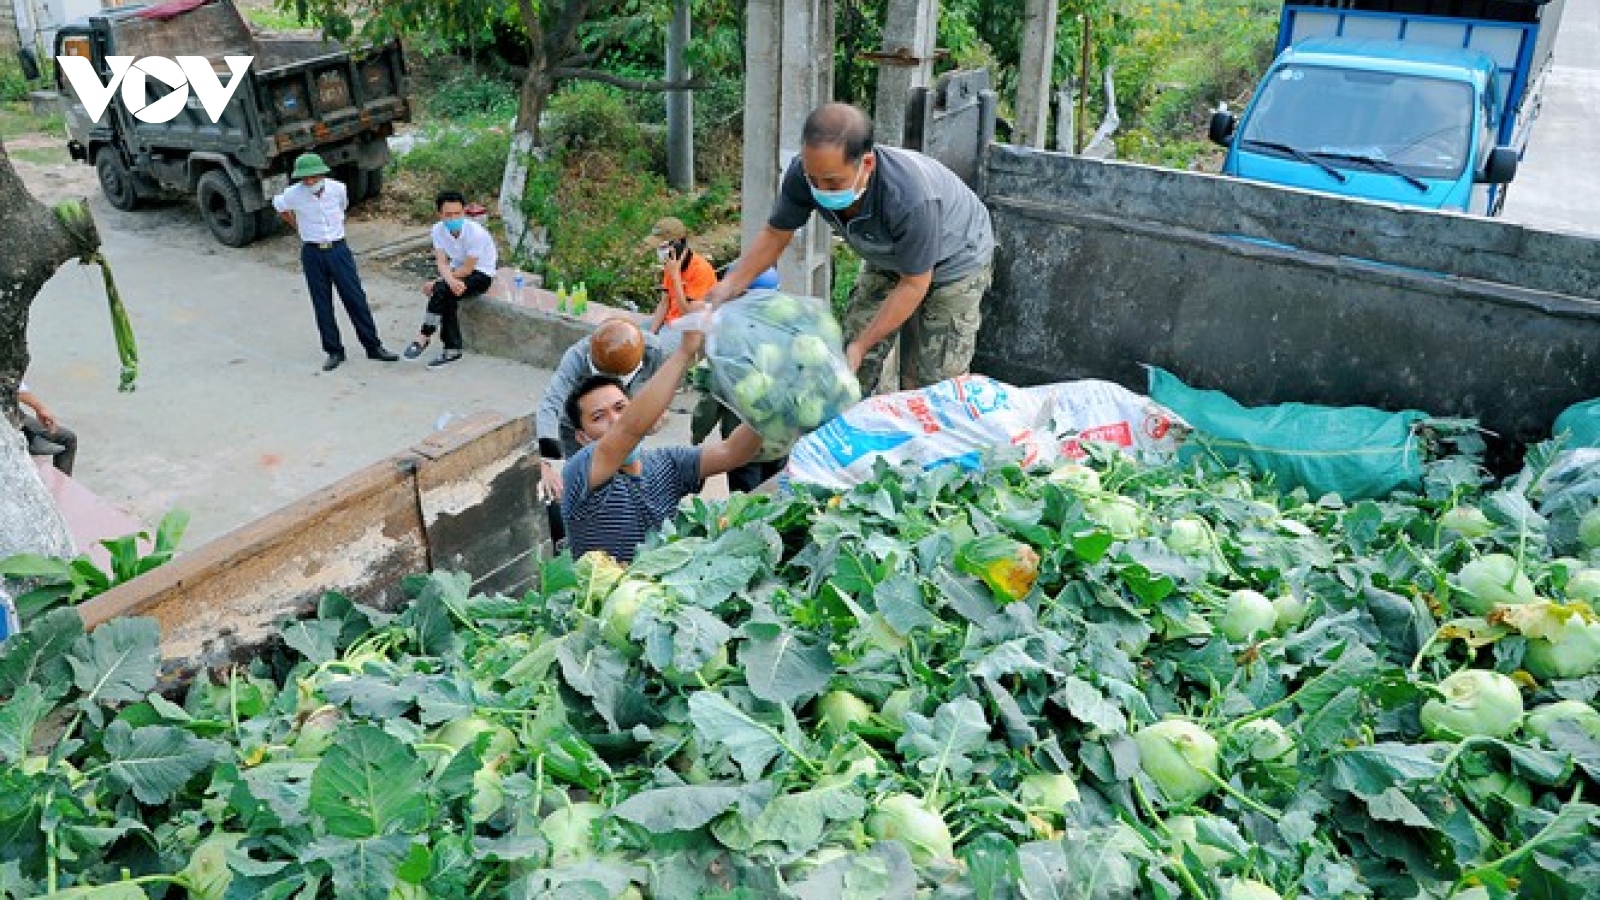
[{"x": 936, "y": 343}]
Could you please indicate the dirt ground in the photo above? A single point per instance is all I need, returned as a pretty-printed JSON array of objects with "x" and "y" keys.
[{"x": 233, "y": 416}]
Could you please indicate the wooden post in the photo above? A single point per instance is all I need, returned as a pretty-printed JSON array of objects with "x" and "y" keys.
[
  {"x": 680, "y": 104},
  {"x": 1034, "y": 72},
  {"x": 788, "y": 73},
  {"x": 906, "y": 63}
]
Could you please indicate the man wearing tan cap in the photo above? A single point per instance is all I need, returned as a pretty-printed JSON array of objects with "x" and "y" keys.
[{"x": 686, "y": 276}]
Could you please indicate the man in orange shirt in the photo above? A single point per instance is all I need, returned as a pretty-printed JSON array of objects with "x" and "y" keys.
[{"x": 686, "y": 276}]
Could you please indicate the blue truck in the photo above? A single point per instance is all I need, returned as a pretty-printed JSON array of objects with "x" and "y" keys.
[{"x": 1424, "y": 103}]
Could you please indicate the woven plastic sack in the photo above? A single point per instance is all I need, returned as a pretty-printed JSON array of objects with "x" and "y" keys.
[
  {"x": 778, "y": 362},
  {"x": 1357, "y": 452},
  {"x": 1579, "y": 425},
  {"x": 966, "y": 419}
]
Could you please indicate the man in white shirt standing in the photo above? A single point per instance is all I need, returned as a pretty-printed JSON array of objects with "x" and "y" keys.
[
  {"x": 315, "y": 207},
  {"x": 465, "y": 256}
]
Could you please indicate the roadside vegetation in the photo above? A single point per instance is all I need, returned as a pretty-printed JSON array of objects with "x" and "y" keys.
[{"x": 602, "y": 179}]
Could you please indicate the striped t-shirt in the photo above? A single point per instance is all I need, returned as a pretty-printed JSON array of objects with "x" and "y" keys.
[{"x": 618, "y": 515}]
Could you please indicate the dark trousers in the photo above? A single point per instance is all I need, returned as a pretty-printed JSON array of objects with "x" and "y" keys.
[
  {"x": 65, "y": 438},
  {"x": 442, "y": 306},
  {"x": 332, "y": 268}
]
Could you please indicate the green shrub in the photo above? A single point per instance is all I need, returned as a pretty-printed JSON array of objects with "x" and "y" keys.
[
  {"x": 846, "y": 270},
  {"x": 475, "y": 96},
  {"x": 472, "y": 161},
  {"x": 589, "y": 116},
  {"x": 13, "y": 86},
  {"x": 597, "y": 207}
]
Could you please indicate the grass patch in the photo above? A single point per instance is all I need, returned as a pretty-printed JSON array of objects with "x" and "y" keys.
[
  {"x": 41, "y": 156},
  {"x": 1184, "y": 57},
  {"x": 470, "y": 160},
  {"x": 18, "y": 119}
]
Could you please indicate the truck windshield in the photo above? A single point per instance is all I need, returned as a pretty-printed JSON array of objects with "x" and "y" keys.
[{"x": 1401, "y": 124}]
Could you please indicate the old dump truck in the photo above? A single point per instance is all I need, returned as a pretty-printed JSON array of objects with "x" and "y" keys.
[
  {"x": 297, "y": 95},
  {"x": 1267, "y": 293}
]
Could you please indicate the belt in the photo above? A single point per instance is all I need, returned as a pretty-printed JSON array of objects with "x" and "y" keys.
[{"x": 324, "y": 245}]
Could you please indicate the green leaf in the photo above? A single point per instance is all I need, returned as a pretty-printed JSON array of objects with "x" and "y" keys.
[
  {"x": 1326, "y": 729},
  {"x": 372, "y": 696},
  {"x": 18, "y": 718},
  {"x": 780, "y": 667},
  {"x": 752, "y": 744},
  {"x": 32, "y": 565},
  {"x": 115, "y": 663},
  {"x": 966, "y": 595},
  {"x": 38, "y": 654},
  {"x": 367, "y": 786},
  {"x": 1369, "y": 771},
  {"x": 362, "y": 869},
  {"x": 1542, "y": 766},
  {"x": 1089, "y": 706},
  {"x": 942, "y": 744},
  {"x": 899, "y": 599},
  {"x": 683, "y": 808},
  {"x": 594, "y": 669},
  {"x": 156, "y": 761},
  {"x": 798, "y": 821},
  {"x": 315, "y": 639},
  {"x": 993, "y": 866},
  {"x": 1392, "y": 805}
]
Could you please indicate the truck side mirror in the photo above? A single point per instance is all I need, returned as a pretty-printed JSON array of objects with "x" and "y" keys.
[
  {"x": 1502, "y": 166},
  {"x": 1222, "y": 124}
]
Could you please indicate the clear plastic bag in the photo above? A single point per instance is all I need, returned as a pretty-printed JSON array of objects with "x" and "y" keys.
[{"x": 778, "y": 362}]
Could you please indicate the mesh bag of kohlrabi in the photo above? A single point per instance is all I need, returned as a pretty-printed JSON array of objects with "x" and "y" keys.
[{"x": 777, "y": 361}]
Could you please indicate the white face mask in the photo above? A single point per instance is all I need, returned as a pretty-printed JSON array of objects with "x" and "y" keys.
[{"x": 663, "y": 253}]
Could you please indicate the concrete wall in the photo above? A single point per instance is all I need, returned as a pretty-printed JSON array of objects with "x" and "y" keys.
[
  {"x": 499, "y": 327},
  {"x": 1276, "y": 295},
  {"x": 461, "y": 500}
]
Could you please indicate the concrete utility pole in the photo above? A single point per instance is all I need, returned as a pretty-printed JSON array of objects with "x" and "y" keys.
[
  {"x": 1033, "y": 73},
  {"x": 680, "y": 104},
  {"x": 788, "y": 73},
  {"x": 909, "y": 37}
]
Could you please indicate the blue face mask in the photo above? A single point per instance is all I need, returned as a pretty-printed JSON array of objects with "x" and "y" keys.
[
  {"x": 454, "y": 225},
  {"x": 834, "y": 201},
  {"x": 635, "y": 456}
]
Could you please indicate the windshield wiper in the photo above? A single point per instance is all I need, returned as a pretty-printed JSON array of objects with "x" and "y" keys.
[
  {"x": 1382, "y": 165},
  {"x": 1300, "y": 155}
]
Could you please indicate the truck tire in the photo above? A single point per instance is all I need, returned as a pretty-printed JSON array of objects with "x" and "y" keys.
[
  {"x": 223, "y": 210},
  {"x": 116, "y": 182},
  {"x": 267, "y": 222}
]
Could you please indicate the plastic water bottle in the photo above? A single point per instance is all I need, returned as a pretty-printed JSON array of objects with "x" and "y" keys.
[
  {"x": 561, "y": 299},
  {"x": 580, "y": 303},
  {"x": 517, "y": 283}
]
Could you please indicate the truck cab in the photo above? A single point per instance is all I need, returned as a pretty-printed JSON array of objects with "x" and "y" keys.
[{"x": 1378, "y": 100}]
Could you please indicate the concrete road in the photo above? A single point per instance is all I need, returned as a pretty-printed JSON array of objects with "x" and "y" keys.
[
  {"x": 233, "y": 417},
  {"x": 1558, "y": 187}
]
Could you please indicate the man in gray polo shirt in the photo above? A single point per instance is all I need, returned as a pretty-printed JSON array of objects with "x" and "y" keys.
[
  {"x": 615, "y": 493},
  {"x": 925, "y": 241}
]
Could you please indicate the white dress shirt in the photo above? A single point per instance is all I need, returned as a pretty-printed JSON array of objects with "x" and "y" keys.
[
  {"x": 475, "y": 241},
  {"x": 319, "y": 218}
]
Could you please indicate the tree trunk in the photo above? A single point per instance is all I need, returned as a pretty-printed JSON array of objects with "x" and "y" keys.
[
  {"x": 38, "y": 245},
  {"x": 548, "y": 50}
]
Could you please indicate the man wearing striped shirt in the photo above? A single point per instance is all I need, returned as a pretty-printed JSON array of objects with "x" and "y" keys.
[{"x": 616, "y": 494}]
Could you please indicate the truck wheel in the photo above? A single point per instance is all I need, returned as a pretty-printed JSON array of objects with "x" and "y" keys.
[
  {"x": 267, "y": 222},
  {"x": 115, "y": 180},
  {"x": 223, "y": 211}
]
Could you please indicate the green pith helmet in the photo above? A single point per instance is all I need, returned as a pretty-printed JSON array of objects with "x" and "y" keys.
[{"x": 310, "y": 164}]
